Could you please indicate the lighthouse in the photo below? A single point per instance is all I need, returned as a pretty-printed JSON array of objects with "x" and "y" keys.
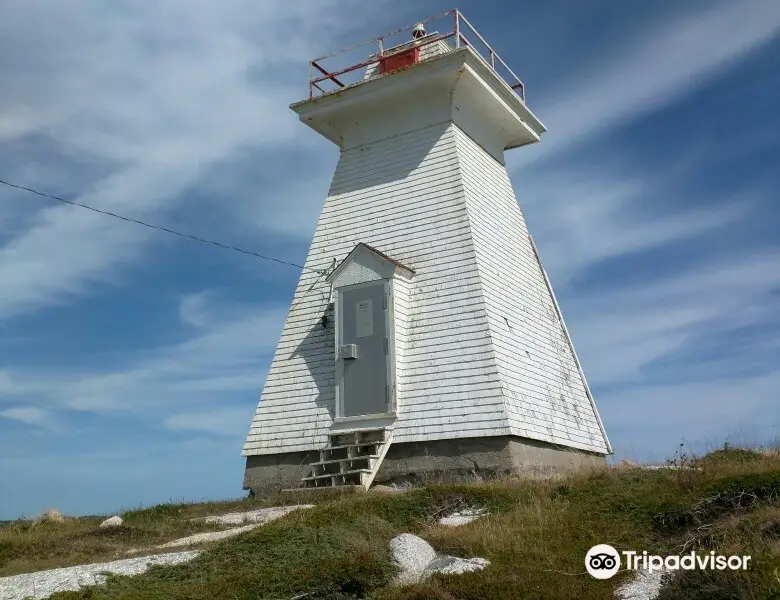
[{"x": 424, "y": 340}]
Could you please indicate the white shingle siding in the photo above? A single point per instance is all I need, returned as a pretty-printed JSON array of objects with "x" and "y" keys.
[
  {"x": 545, "y": 395},
  {"x": 401, "y": 300},
  {"x": 418, "y": 216},
  {"x": 355, "y": 273},
  {"x": 435, "y": 201}
]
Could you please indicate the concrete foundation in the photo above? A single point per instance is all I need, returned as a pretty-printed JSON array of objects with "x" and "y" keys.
[{"x": 436, "y": 461}]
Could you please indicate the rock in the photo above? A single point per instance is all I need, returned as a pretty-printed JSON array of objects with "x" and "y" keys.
[
  {"x": 457, "y": 520},
  {"x": 452, "y": 565},
  {"x": 262, "y": 515},
  {"x": 669, "y": 467},
  {"x": 114, "y": 521},
  {"x": 642, "y": 586},
  {"x": 42, "y": 584},
  {"x": 209, "y": 536},
  {"x": 417, "y": 560},
  {"x": 403, "y": 485},
  {"x": 412, "y": 555},
  {"x": 51, "y": 516},
  {"x": 385, "y": 489},
  {"x": 247, "y": 520},
  {"x": 462, "y": 518}
]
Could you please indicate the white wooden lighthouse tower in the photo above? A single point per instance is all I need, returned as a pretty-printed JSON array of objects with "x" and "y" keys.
[{"x": 424, "y": 336}]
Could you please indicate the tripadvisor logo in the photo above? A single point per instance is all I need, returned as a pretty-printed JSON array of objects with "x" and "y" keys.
[{"x": 603, "y": 561}]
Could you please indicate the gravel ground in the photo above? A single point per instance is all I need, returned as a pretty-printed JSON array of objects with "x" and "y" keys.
[{"x": 45, "y": 583}]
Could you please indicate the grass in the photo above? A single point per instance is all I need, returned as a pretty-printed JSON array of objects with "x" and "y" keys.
[
  {"x": 536, "y": 537},
  {"x": 27, "y": 546}
]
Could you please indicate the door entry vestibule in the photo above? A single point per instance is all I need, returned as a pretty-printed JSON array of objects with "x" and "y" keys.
[{"x": 364, "y": 365}]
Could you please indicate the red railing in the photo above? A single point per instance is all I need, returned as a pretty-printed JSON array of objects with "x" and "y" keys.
[{"x": 338, "y": 75}]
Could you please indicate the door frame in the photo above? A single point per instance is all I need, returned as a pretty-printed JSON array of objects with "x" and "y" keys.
[{"x": 390, "y": 361}]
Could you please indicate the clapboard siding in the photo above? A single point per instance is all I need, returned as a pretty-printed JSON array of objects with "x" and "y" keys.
[
  {"x": 480, "y": 350},
  {"x": 405, "y": 197},
  {"x": 401, "y": 291},
  {"x": 546, "y": 397}
]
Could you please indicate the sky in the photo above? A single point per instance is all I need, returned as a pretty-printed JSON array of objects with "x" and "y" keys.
[{"x": 131, "y": 361}]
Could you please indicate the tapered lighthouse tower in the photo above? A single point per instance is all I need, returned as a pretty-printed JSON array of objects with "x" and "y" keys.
[{"x": 424, "y": 337}]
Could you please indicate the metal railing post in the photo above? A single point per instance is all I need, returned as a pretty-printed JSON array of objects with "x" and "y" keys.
[
  {"x": 457, "y": 29},
  {"x": 512, "y": 80}
]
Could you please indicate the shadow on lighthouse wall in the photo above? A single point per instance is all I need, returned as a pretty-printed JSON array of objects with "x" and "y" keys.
[
  {"x": 318, "y": 352},
  {"x": 390, "y": 160}
]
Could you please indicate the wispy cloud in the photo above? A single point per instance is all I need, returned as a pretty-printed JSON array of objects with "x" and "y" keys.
[
  {"x": 224, "y": 355},
  {"x": 225, "y": 421},
  {"x": 623, "y": 330},
  {"x": 664, "y": 62},
  {"x": 178, "y": 114},
  {"x": 655, "y": 285},
  {"x": 30, "y": 415},
  {"x": 157, "y": 106},
  {"x": 583, "y": 216}
]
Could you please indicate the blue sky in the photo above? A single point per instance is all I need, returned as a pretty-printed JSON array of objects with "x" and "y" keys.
[{"x": 131, "y": 361}]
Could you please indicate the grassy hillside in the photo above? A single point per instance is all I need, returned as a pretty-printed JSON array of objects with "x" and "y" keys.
[{"x": 536, "y": 538}]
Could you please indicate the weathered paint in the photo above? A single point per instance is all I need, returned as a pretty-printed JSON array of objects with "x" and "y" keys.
[
  {"x": 429, "y": 50},
  {"x": 480, "y": 350},
  {"x": 434, "y": 461},
  {"x": 456, "y": 86},
  {"x": 365, "y": 264},
  {"x": 544, "y": 393}
]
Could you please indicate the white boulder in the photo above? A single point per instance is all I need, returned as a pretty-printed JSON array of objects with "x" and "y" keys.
[
  {"x": 412, "y": 554},
  {"x": 417, "y": 560},
  {"x": 114, "y": 521}
]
